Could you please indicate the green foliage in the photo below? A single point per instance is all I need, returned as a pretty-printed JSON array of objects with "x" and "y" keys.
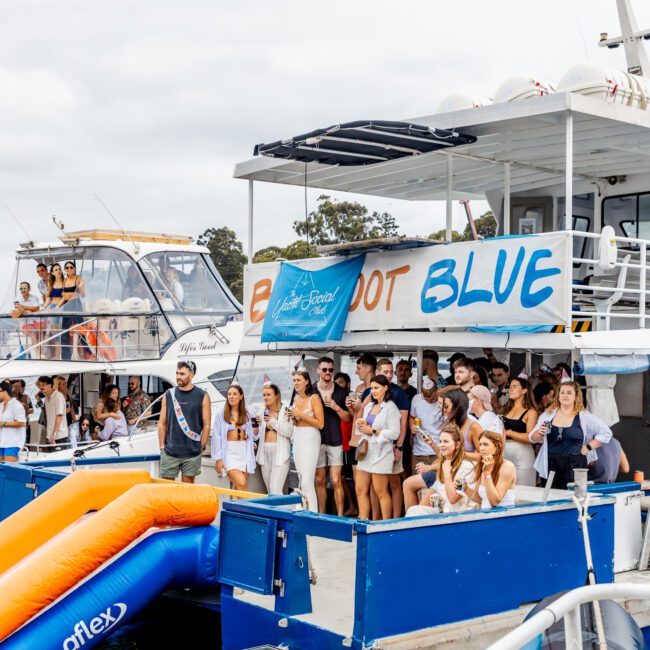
[
  {"x": 227, "y": 254},
  {"x": 295, "y": 251},
  {"x": 486, "y": 226},
  {"x": 335, "y": 222}
]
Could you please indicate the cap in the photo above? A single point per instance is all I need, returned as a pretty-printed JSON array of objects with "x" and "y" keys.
[
  {"x": 5, "y": 386},
  {"x": 482, "y": 394},
  {"x": 455, "y": 356},
  {"x": 189, "y": 364}
]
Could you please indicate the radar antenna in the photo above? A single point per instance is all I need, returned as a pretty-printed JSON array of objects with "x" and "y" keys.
[{"x": 631, "y": 39}]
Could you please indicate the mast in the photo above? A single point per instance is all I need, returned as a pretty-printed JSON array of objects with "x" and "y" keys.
[{"x": 631, "y": 38}]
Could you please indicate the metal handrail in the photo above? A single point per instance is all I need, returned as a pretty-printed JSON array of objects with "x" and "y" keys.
[{"x": 568, "y": 607}]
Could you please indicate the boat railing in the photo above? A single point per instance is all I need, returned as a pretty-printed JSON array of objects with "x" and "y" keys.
[
  {"x": 611, "y": 294},
  {"x": 567, "y": 608},
  {"x": 71, "y": 337}
]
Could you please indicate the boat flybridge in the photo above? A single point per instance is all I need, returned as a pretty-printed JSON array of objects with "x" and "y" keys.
[{"x": 148, "y": 300}]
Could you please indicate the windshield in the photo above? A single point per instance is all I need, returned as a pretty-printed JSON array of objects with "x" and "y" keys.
[
  {"x": 187, "y": 289},
  {"x": 96, "y": 280}
]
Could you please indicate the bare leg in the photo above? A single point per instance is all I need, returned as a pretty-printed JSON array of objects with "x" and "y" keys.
[
  {"x": 339, "y": 495},
  {"x": 412, "y": 486},
  {"x": 321, "y": 488},
  {"x": 395, "y": 481},
  {"x": 362, "y": 488},
  {"x": 376, "y": 508},
  {"x": 380, "y": 485},
  {"x": 238, "y": 479},
  {"x": 187, "y": 479}
]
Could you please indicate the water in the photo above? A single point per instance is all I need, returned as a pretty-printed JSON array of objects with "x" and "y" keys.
[{"x": 168, "y": 623}]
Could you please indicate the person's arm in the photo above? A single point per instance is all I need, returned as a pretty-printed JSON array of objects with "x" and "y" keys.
[
  {"x": 474, "y": 433},
  {"x": 19, "y": 419},
  {"x": 206, "y": 419},
  {"x": 392, "y": 430},
  {"x": 426, "y": 498},
  {"x": 495, "y": 493},
  {"x": 341, "y": 410},
  {"x": 624, "y": 464},
  {"x": 81, "y": 287},
  {"x": 539, "y": 430},
  {"x": 30, "y": 407},
  {"x": 453, "y": 496},
  {"x": 282, "y": 425},
  {"x": 162, "y": 422},
  {"x": 595, "y": 427}
]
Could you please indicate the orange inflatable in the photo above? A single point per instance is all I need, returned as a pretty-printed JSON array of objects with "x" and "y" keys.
[
  {"x": 104, "y": 349},
  {"x": 60, "y": 506},
  {"x": 58, "y": 565}
]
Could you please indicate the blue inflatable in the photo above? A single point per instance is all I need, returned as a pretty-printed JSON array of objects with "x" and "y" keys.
[{"x": 185, "y": 557}]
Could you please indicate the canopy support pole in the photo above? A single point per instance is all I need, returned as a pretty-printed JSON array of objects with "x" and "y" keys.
[
  {"x": 419, "y": 360},
  {"x": 250, "y": 221},
  {"x": 556, "y": 225},
  {"x": 449, "y": 216},
  {"x": 506, "y": 198},
  {"x": 568, "y": 199}
]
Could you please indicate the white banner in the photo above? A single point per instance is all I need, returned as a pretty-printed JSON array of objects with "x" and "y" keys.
[{"x": 511, "y": 282}]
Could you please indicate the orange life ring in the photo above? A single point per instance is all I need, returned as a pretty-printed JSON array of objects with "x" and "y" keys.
[{"x": 105, "y": 351}]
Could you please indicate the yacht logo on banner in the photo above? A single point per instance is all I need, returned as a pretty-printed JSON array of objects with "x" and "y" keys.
[{"x": 311, "y": 305}]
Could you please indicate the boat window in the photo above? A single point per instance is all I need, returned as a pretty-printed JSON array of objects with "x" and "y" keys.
[
  {"x": 629, "y": 215},
  {"x": 222, "y": 379},
  {"x": 580, "y": 224},
  {"x": 183, "y": 283}
]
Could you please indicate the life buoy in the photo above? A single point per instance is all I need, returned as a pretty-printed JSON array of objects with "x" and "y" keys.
[{"x": 105, "y": 350}]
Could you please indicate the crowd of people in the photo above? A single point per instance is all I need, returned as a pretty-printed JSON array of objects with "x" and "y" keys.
[
  {"x": 60, "y": 425},
  {"x": 459, "y": 442}
]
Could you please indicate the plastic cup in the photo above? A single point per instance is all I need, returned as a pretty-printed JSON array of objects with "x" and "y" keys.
[{"x": 639, "y": 477}]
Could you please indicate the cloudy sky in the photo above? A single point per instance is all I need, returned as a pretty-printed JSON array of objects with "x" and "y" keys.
[{"x": 149, "y": 104}]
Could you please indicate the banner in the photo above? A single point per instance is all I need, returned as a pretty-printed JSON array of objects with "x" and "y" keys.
[
  {"x": 310, "y": 305},
  {"x": 508, "y": 283}
]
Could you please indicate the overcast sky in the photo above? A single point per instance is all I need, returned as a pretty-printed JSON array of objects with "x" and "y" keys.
[{"x": 149, "y": 104}]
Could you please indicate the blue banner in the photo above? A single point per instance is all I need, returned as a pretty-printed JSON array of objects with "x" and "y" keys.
[{"x": 311, "y": 305}]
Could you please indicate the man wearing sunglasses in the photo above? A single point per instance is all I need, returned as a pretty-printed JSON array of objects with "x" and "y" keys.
[{"x": 331, "y": 449}]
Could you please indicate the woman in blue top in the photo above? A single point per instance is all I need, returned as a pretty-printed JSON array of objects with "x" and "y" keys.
[{"x": 570, "y": 436}]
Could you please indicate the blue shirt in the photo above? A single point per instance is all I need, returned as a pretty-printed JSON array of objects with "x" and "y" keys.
[
  {"x": 566, "y": 441},
  {"x": 400, "y": 397}
]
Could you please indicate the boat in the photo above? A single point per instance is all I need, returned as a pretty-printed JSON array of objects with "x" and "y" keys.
[{"x": 133, "y": 319}]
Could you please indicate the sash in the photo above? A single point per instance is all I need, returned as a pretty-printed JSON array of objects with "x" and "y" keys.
[{"x": 180, "y": 418}]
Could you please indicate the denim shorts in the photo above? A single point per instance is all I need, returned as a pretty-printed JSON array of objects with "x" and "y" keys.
[
  {"x": 9, "y": 451},
  {"x": 429, "y": 478}
]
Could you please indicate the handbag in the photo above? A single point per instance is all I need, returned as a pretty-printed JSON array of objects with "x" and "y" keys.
[{"x": 362, "y": 450}]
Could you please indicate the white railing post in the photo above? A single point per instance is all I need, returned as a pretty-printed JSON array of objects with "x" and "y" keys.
[
  {"x": 568, "y": 202},
  {"x": 450, "y": 180},
  {"x": 249, "y": 250},
  {"x": 642, "y": 284},
  {"x": 506, "y": 198},
  {"x": 573, "y": 629}
]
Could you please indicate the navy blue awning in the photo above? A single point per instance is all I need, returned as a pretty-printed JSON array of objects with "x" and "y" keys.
[{"x": 363, "y": 143}]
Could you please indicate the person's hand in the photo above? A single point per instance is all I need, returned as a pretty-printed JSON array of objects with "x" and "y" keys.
[
  {"x": 414, "y": 428},
  {"x": 421, "y": 467},
  {"x": 220, "y": 467},
  {"x": 115, "y": 416},
  {"x": 267, "y": 418},
  {"x": 329, "y": 402},
  {"x": 446, "y": 467},
  {"x": 432, "y": 443},
  {"x": 488, "y": 464},
  {"x": 397, "y": 454},
  {"x": 584, "y": 451},
  {"x": 365, "y": 428}
]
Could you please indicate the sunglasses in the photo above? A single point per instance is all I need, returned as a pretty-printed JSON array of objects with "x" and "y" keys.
[
  {"x": 69, "y": 266},
  {"x": 24, "y": 288},
  {"x": 327, "y": 369}
]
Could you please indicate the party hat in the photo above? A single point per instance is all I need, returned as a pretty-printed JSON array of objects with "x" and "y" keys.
[
  {"x": 427, "y": 383},
  {"x": 565, "y": 377}
]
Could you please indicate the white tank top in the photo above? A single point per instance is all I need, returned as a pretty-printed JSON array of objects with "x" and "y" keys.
[{"x": 508, "y": 498}]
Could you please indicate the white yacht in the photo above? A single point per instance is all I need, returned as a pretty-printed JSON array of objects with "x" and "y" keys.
[{"x": 148, "y": 300}]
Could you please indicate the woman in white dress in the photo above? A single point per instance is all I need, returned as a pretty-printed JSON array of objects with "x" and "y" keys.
[
  {"x": 307, "y": 415},
  {"x": 520, "y": 419},
  {"x": 494, "y": 477},
  {"x": 274, "y": 450},
  {"x": 380, "y": 426},
  {"x": 232, "y": 439},
  {"x": 451, "y": 474}
]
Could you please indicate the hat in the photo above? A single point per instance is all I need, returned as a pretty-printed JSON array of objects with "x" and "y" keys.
[
  {"x": 455, "y": 357},
  {"x": 188, "y": 363},
  {"x": 5, "y": 386},
  {"x": 565, "y": 377},
  {"x": 234, "y": 382},
  {"x": 523, "y": 375},
  {"x": 482, "y": 394},
  {"x": 267, "y": 380},
  {"x": 427, "y": 383}
]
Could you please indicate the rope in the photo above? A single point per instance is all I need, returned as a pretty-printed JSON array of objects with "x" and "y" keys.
[
  {"x": 583, "y": 518},
  {"x": 313, "y": 576}
]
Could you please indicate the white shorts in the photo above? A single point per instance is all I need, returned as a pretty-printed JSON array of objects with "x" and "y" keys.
[{"x": 331, "y": 455}]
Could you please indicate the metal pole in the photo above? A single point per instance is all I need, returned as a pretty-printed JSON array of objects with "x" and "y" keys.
[
  {"x": 568, "y": 200},
  {"x": 419, "y": 360},
  {"x": 573, "y": 629},
  {"x": 556, "y": 226},
  {"x": 448, "y": 222},
  {"x": 250, "y": 221},
  {"x": 506, "y": 198}
]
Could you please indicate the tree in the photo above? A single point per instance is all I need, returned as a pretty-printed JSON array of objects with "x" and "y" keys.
[
  {"x": 227, "y": 253},
  {"x": 296, "y": 251},
  {"x": 334, "y": 222},
  {"x": 486, "y": 226}
]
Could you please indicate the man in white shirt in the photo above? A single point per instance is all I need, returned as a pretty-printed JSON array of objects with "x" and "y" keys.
[
  {"x": 425, "y": 407},
  {"x": 481, "y": 408},
  {"x": 57, "y": 426},
  {"x": 12, "y": 424}
]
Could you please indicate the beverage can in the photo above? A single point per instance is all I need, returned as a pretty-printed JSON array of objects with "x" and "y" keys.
[
  {"x": 639, "y": 476},
  {"x": 417, "y": 422},
  {"x": 267, "y": 413}
]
